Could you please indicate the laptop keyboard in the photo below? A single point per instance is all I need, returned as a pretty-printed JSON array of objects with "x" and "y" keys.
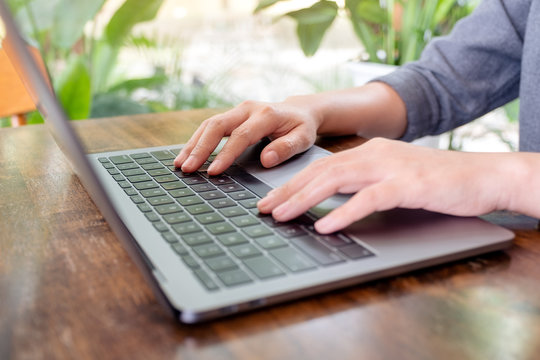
[{"x": 213, "y": 225}]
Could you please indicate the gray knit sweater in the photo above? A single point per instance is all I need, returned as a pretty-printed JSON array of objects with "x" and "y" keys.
[{"x": 490, "y": 58}]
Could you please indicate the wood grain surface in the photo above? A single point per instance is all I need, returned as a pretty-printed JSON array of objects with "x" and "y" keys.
[{"x": 68, "y": 290}]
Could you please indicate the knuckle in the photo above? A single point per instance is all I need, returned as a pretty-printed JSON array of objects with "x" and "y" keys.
[
  {"x": 247, "y": 104},
  {"x": 267, "y": 110}
]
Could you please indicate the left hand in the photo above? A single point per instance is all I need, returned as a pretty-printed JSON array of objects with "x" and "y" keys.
[{"x": 386, "y": 174}]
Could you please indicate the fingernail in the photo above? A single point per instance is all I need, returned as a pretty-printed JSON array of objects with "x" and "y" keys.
[
  {"x": 271, "y": 158},
  {"x": 282, "y": 210},
  {"x": 326, "y": 225},
  {"x": 188, "y": 163},
  {"x": 214, "y": 166}
]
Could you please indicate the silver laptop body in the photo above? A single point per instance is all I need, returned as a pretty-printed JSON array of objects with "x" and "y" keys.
[{"x": 383, "y": 244}]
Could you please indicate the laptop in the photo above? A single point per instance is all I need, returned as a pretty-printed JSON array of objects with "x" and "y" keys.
[{"x": 202, "y": 246}]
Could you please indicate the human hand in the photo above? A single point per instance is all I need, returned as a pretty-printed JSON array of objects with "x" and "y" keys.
[
  {"x": 291, "y": 125},
  {"x": 386, "y": 174}
]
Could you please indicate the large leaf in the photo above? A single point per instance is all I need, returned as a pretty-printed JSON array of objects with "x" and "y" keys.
[
  {"x": 312, "y": 24},
  {"x": 127, "y": 16},
  {"x": 70, "y": 18},
  {"x": 74, "y": 90},
  {"x": 106, "y": 105},
  {"x": 263, "y": 4},
  {"x": 128, "y": 86}
]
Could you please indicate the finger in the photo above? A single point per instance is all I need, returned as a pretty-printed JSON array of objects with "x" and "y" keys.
[
  {"x": 377, "y": 197},
  {"x": 188, "y": 147},
  {"x": 287, "y": 190},
  {"x": 283, "y": 148},
  {"x": 319, "y": 188},
  {"x": 216, "y": 128},
  {"x": 248, "y": 133}
]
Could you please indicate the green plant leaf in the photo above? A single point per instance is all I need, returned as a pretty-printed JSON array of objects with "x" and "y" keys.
[
  {"x": 312, "y": 24},
  {"x": 127, "y": 16},
  {"x": 372, "y": 12},
  {"x": 105, "y": 105},
  {"x": 70, "y": 18},
  {"x": 131, "y": 85},
  {"x": 74, "y": 90},
  {"x": 321, "y": 12},
  {"x": 263, "y": 4}
]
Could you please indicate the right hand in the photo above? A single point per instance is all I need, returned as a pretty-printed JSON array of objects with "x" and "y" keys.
[{"x": 291, "y": 125}]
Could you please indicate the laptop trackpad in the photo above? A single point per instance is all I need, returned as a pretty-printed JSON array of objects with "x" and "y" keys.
[{"x": 279, "y": 175}]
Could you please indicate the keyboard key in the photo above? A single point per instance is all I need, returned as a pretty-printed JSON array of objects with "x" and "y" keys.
[
  {"x": 220, "y": 228},
  {"x": 162, "y": 155},
  {"x": 210, "y": 195},
  {"x": 205, "y": 280},
  {"x": 153, "y": 192},
  {"x": 173, "y": 185},
  {"x": 220, "y": 180},
  {"x": 165, "y": 178},
  {"x": 263, "y": 267},
  {"x": 233, "y": 211},
  {"x": 176, "y": 218},
  {"x": 290, "y": 230},
  {"x": 355, "y": 251},
  {"x": 176, "y": 193},
  {"x": 190, "y": 261},
  {"x": 119, "y": 177},
  {"x": 131, "y": 191},
  {"x": 145, "y": 185},
  {"x": 208, "y": 250},
  {"x": 186, "y": 228},
  {"x": 158, "y": 172},
  {"x": 194, "y": 180},
  {"x": 257, "y": 231},
  {"x": 127, "y": 166},
  {"x": 317, "y": 250},
  {"x": 231, "y": 187},
  {"x": 231, "y": 239},
  {"x": 124, "y": 184},
  {"x": 108, "y": 165},
  {"x": 222, "y": 203},
  {"x": 139, "y": 178},
  {"x": 152, "y": 216},
  {"x": 113, "y": 171},
  {"x": 120, "y": 159},
  {"x": 137, "y": 199},
  {"x": 249, "y": 203},
  {"x": 221, "y": 263},
  {"x": 199, "y": 209},
  {"x": 196, "y": 239},
  {"x": 103, "y": 160},
  {"x": 208, "y": 218},
  {"x": 203, "y": 187},
  {"x": 160, "y": 200},
  {"x": 246, "y": 220},
  {"x": 179, "y": 248},
  {"x": 133, "y": 172},
  {"x": 144, "y": 161},
  {"x": 234, "y": 277},
  {"x": 144, "y": 207},
  {"x": 169, "y": 162},
  {"x": 270, "y": 242},
  {"x": 292, "y": 259},
  {"x": 169, "y": 237},
  {"x": 245, "y": 250},
  {"x": 152, "y": 166},
  {"x": 168, "y": 209},
  {"x": 160, "y": 226},
  {"x": 241, "y": 195},
  {"x": 140, "y": 155},
  {"x": 189, "y": 200}
]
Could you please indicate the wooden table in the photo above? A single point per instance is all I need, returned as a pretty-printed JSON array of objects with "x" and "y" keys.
[{"x": 68, "y": 289}]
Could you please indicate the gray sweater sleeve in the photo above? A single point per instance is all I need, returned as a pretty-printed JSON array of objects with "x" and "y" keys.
[{"x": 466, "y": 74}]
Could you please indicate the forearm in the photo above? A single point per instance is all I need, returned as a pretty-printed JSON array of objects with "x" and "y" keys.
[
  {"x": 523, "y": 183},
  {"x": 373, "y": 110}
]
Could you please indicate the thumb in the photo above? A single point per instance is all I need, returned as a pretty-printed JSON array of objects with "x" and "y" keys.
[{"x": 286, "y": 146}]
